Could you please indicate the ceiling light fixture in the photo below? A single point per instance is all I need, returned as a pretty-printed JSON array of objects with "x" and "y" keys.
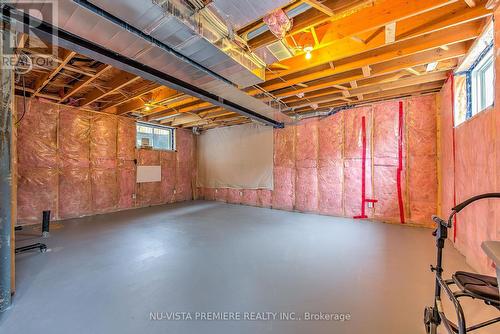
[{"x": 307, "y": 50}]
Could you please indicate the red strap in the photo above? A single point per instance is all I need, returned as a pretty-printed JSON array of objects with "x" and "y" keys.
[
  {"x": 400, "y": 164},
  {"x": 452, "y": 82}
]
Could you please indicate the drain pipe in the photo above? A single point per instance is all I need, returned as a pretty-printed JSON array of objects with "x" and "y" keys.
[{"x": 5, "y": 171}]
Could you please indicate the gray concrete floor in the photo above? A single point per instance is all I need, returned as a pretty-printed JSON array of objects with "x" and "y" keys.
[{"x": 105, "y": 274}]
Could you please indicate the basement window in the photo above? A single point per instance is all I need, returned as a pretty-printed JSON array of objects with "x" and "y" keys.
[
  {"x": 155, "y": 137},
  {"x": 475, "y": 80}
]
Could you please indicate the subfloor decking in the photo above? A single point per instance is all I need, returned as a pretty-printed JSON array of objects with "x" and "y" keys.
[{"x": 107, "y": 273}]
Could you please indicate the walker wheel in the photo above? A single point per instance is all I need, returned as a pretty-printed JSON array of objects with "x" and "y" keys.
[{"x": 430, "y": 324}]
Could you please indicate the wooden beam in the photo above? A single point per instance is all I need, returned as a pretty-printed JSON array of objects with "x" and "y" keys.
[
  {"x": 470, "y": 3},
  {"x": 375, "y": 87},
  {"x": 427, "y": 42},
  {"x": 45, "y": 79},
  {"x": 118, "y": 82},
  {"x": 83, "y": 83},
  {"x": 394, "y": 93},
  {"x": 136, "y": 94},
  {"x": 370, "y": 17},
  {"x": 443, "y": 18},
  {"x": 158, "y": 95},
  {"x": 354, "y": 84},
  {"x": 412, "y": 71},
  {"x": 319, "y": 6},
  {"x": 388, "y": 67}
]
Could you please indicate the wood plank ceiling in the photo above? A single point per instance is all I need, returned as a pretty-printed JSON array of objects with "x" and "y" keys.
[{"x": 362, "y": 51}]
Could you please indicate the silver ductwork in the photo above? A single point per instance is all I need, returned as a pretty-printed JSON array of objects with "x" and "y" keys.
[{"x": 198, "y": 54}]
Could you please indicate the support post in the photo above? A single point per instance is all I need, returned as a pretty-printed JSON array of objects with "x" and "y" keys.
[{"x": 6, "y": 246}]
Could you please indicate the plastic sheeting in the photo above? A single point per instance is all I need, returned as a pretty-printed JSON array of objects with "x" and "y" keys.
[
  {"x": 78, "y": 163},
  {"x": 318, "y": 164},
  {"x": 239, "y": 157}
]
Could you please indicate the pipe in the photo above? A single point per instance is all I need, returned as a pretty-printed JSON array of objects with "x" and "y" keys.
[
  {"x": 5, "y": 176},
  {"x": 70, "y": 41}
]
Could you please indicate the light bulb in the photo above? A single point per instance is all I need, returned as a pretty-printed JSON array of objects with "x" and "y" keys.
[{"x": 308, "y": 55}]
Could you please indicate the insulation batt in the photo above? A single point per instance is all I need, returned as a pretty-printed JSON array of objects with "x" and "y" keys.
[
  {"x": 318, "y": 164},
  {"x": 77, "y": 163}
]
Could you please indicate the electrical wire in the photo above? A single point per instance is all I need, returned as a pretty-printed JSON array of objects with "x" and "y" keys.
[{"x": 24, "y": 103}]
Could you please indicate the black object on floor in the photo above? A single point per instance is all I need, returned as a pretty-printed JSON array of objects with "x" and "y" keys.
[{"x": 45, "y": 233}]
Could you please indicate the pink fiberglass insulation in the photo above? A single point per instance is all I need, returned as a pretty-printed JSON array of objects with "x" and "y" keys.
[
  {"x": 185, "y": 165},
  {"x": 168, "y": 176},
  {"x": 249, "y": 197},
  {"x": 264, "y": 198},
  {"x": 306, "y": 155},
  {"x": 330, "y": 139},
  {"x": 306, "y": 144},
  {"x": 37, "y": 161},
  {"x": 422, "y": 158},
  {"x": 234, "y": 196},
  {"x": 126, "y": 186},
  {"x": 126, "y": 165},
  {"x": 446, "y": 140},
  {"x": 74, "y": 193},
  {"x": 103, "y": 132},
  {"x": 306, "y": 189},
  {"x": 385, "y": 133},
  {"x": 284, "y": 147},
  {"x": 386, "y": 160},
  {"x": 475, "y": 174},
  {"x": 74, "y": 138},
  {"x": 147, "y": 157},
  {"x": 330, "y": 164},
  {"x": 284, "y": 188},
  {"x": 330, "y": 189},
  {"x": 36, "y": 192},
  {"x": 221, "y": 194},
  {"x": 126, "y": 139},
  {"x": 353, "y": 133},
  {"x": 183, "y": 184},
  {"x": 104, "y": 189},
  {"x": 352, "y": 187},
  {"x": 37, "y": 135},
  {"x": 74, "y": 174},
  {"x": 93, "y": 169},
  {"x": 209, "y": 194},
  {"x": 387, "y": 207},
  {"x": 148, "y": 193},
  {"x": 104, "y": 186},
  {"x": 184, "y": 145}
]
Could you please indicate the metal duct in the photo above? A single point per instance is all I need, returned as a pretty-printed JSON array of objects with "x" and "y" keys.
[{"x": 172, "y": 48}]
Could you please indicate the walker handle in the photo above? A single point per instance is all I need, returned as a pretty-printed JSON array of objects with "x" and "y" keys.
[
  {"x": 465, "y": 203},
  {"x": 462, "y": 205}
]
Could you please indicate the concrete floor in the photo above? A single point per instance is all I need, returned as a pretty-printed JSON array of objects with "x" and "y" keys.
[{"x": 105, "y": 274}]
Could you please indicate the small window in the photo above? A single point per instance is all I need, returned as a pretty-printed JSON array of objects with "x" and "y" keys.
[
  {"x": 155, "y": 136},
  {"x": 474, "y": 88},
  {"x": 483, "y": 82}
]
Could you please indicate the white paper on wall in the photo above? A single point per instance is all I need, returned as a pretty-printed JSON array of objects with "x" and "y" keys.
[
  {"x": 148, "y": 174},
  {"x": 238, "y": 157}
]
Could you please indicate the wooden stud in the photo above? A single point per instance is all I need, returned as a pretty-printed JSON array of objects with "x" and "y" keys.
[
  {"x": 390, "y": 33},
  {"x": 367, "y": 71}
]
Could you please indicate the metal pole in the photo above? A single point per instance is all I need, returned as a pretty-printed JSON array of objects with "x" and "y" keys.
[{"x": 5, "y": 169}]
